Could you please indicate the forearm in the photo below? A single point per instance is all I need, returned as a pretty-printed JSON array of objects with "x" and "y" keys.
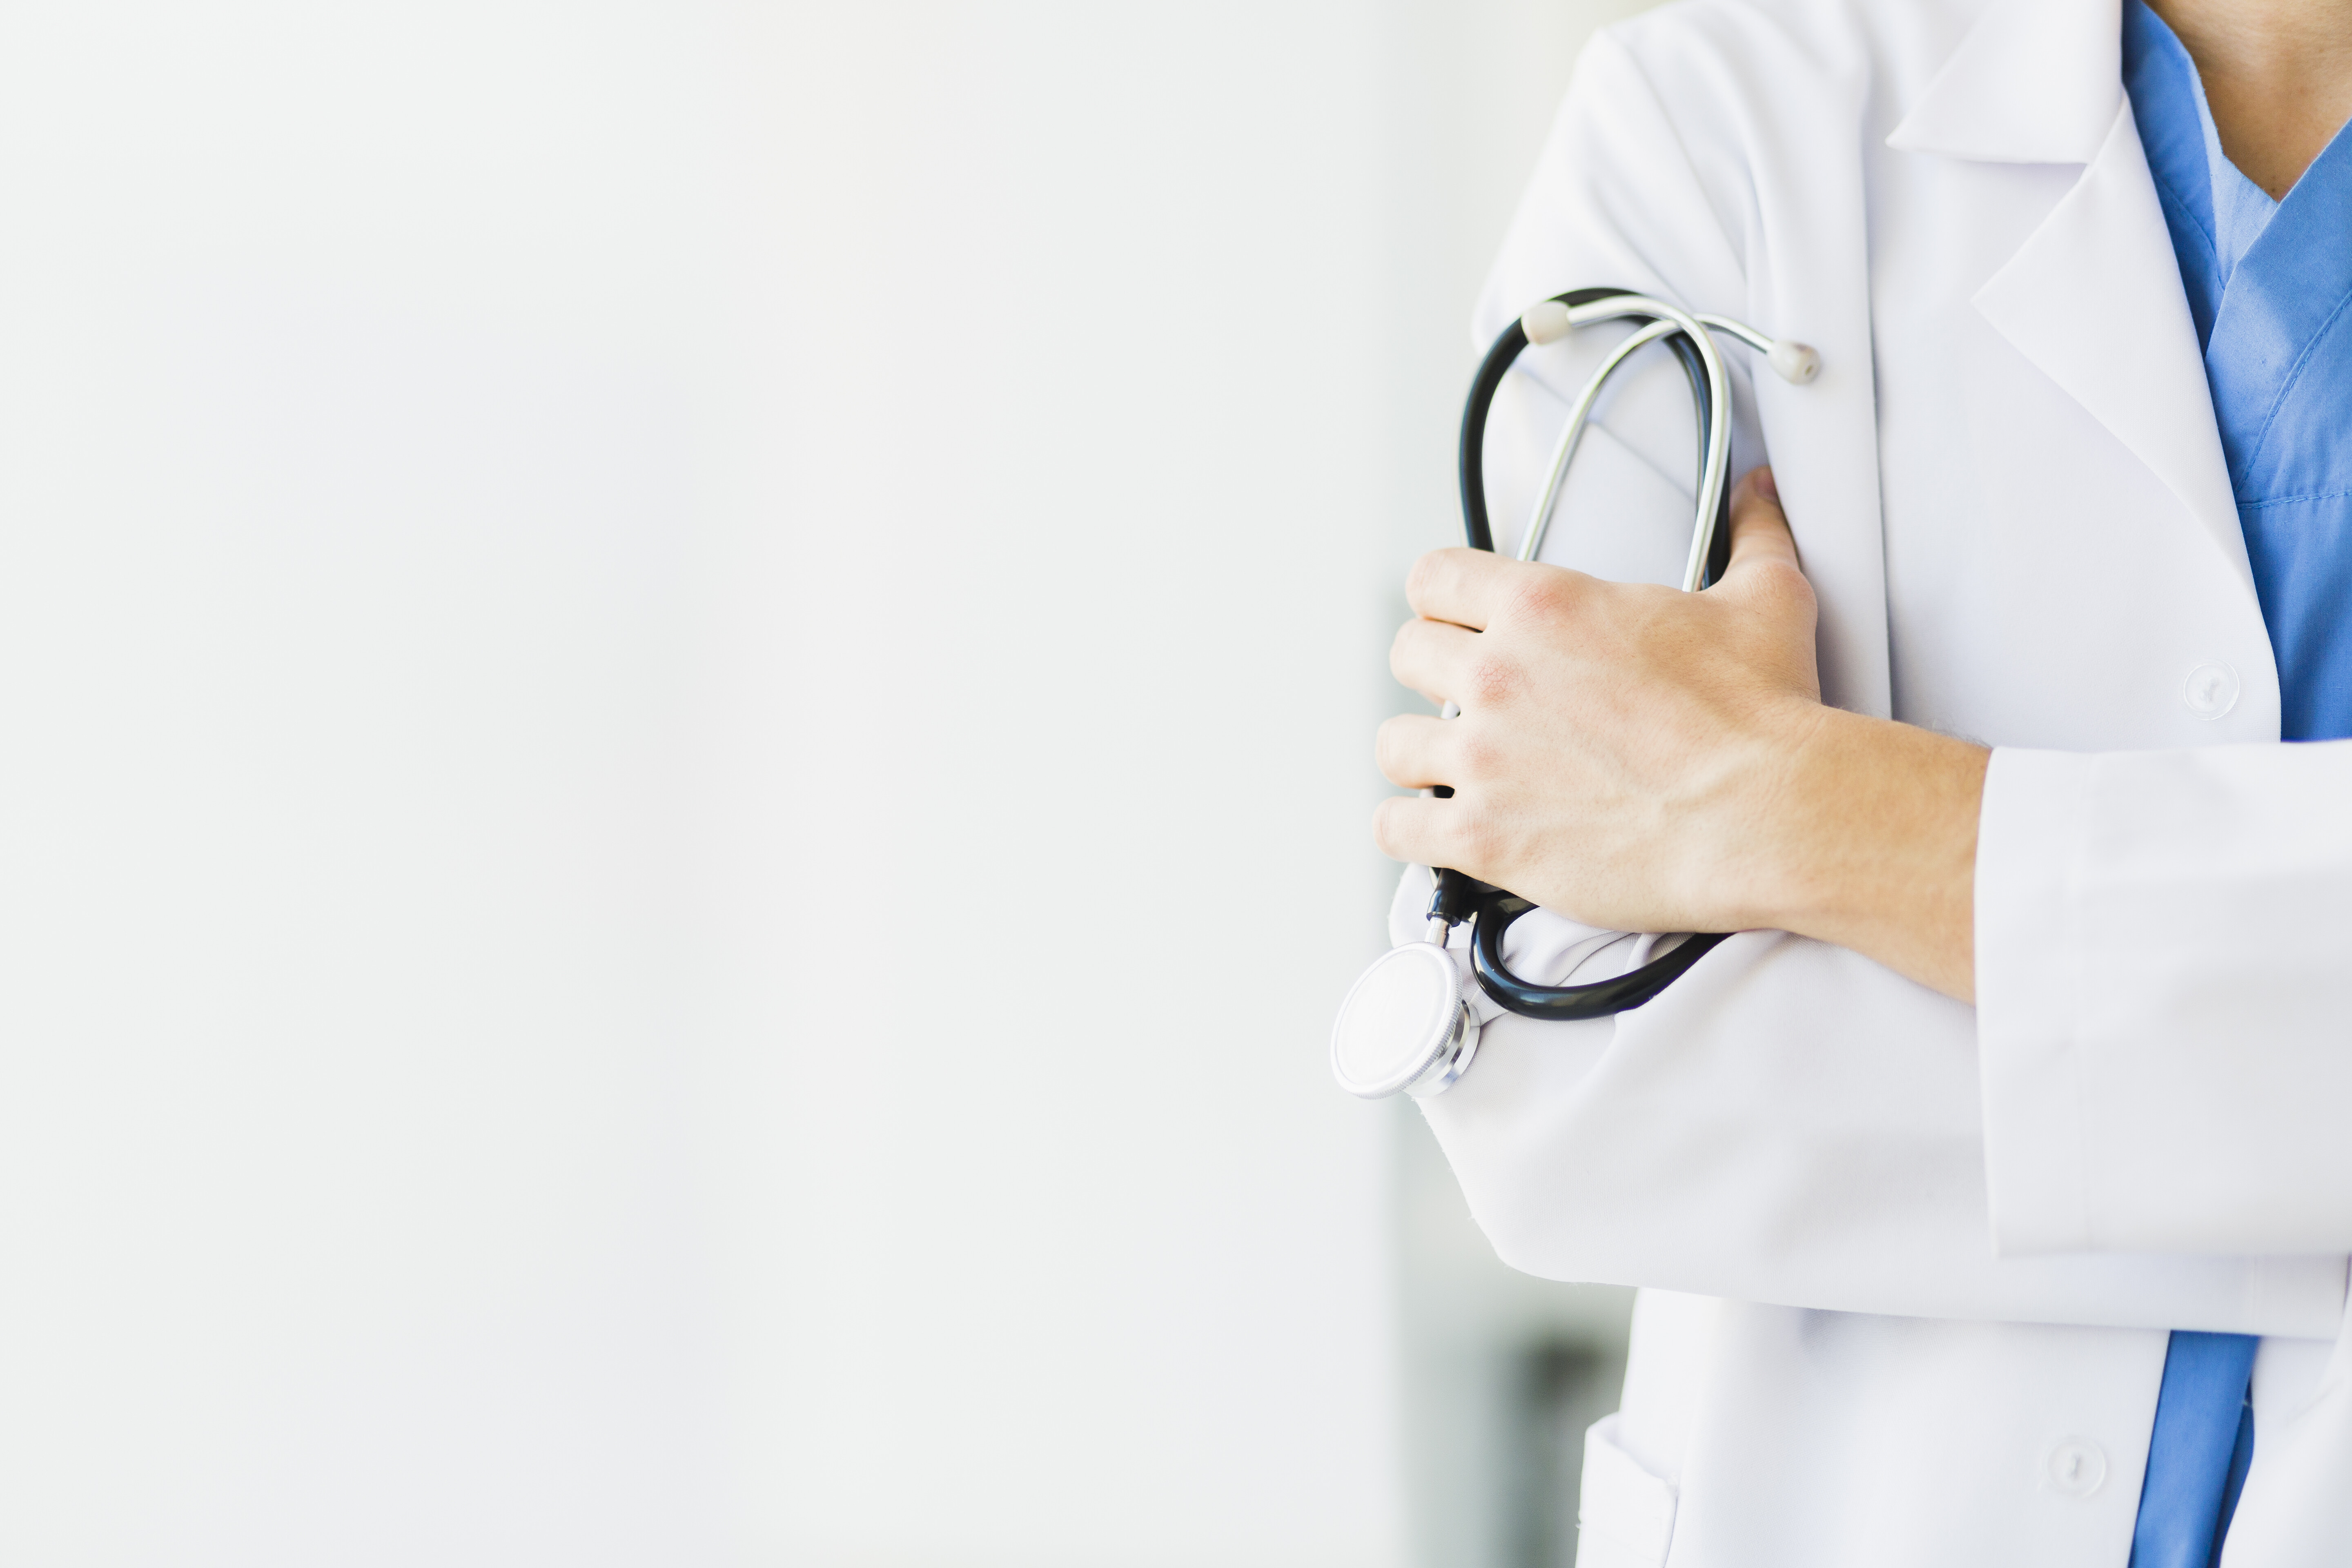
[
  {"x": 1644, "y": 760},
  {"x": 1871, "y": 844}
]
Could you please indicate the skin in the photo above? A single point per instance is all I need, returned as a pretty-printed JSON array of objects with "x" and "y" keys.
[
  {"x": 1647, "y": 760},
  {"x": 2278, "y": 76}
]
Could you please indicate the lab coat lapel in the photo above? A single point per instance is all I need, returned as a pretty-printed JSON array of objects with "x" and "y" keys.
[
  {"x": 2093, "y": 298},
  {"x": 2034, "y": 81}
]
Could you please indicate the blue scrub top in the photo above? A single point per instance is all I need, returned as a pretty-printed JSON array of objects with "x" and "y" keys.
[{"x": 2268, "y": 284}]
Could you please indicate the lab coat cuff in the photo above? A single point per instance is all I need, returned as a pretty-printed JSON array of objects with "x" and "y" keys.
[{"x": 2030, "y": 979}]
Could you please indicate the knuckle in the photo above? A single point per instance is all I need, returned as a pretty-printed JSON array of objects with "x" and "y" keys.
[
  {"x": 1473, "y": 837},
  {"x": 1544, "y": 592},
  {"x": 1780, "y": 584},
  {"x": 1487, "y": 679},
  {"x": 1477, "y": 752}
]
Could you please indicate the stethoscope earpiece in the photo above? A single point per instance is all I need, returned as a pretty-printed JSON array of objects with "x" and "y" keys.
[
  {"x": 1793, "y": 362},
  {"x": 1406, "y": 1027}
]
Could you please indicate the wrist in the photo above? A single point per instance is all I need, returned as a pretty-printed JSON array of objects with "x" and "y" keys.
[{"x": 1871, "y": 844}]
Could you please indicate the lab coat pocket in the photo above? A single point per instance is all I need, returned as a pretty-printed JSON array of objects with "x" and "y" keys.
[{"x": 1626, "y": 1515}]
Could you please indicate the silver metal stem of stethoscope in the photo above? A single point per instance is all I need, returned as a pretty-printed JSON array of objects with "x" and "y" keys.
[
  {"x": 1740, "y": 330},
  {"x": 1714, "y": 469},
  {"x": 1563, "y": 451},
  {"x": 1793, "y": 362}
]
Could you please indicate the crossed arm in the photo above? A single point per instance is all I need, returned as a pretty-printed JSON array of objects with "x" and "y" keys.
[{"x": 1642, "y": 759}]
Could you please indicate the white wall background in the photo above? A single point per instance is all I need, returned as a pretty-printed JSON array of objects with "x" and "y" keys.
[{"x": 685, "y": 698}]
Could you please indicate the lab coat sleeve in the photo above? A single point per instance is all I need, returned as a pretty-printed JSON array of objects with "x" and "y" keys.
[
  {"x": 2164, "y": 974},
  {"x": 1790, "y": 1122}
]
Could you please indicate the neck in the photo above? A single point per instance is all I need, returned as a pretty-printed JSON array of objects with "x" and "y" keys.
[{"x": 2278, "y": 74}]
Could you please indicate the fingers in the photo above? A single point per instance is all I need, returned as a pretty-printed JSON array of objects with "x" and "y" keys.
[
  {"x": 1413, "y": 750},
  {"x": 1430, "y": 657},
  {"x": 1759, "y": 529},
  {"x": 1461, "y": 585},
  {"x": 1765, "y": 581},
  {"x": 1419, "y": 829}
]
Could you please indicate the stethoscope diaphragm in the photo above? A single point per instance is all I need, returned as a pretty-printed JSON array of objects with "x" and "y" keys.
[{"x": 1406, "y": 1025}]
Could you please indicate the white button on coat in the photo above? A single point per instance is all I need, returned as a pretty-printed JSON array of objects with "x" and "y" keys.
[
  {"x": 2211, "y": 690},
  {"x": 2077, "y": 1468}
]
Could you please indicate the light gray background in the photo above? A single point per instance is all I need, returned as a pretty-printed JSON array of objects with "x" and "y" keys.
[{"x": 684, "y": 705}]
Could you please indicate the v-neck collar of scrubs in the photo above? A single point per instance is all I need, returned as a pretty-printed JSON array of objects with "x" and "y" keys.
[
  {"x": 2226, "y": 210},
  {"x": 2270, "y": 278},
  {"x": 2271, "y": 293},
  {"x": 2241, "y": 209}
]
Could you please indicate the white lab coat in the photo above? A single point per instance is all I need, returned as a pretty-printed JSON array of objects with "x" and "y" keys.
[{"x": 1928, "y": 1254}]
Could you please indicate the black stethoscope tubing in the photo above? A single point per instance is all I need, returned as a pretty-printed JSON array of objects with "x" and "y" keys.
[{"x": 1459, "y": 897}]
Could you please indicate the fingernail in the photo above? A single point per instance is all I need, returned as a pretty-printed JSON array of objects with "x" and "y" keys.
[{"x": 1762, "y": 479}]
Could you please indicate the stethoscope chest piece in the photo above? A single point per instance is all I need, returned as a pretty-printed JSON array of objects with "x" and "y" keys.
[{"x": 1405, "y": 1026}]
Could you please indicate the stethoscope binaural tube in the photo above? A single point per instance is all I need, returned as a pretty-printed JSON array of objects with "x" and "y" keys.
[{"x": 1406, "y": 1026}]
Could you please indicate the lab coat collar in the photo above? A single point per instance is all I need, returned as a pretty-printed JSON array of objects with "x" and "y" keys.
[
  {"x": 2034, "y": 81},
  {"x": 2093, "y": 298}
]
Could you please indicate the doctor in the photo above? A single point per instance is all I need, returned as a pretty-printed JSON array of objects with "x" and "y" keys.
[{"x": 1992, "y": 1190}]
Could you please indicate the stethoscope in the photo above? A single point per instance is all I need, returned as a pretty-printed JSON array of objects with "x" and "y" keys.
[{"x": 1407, "y": 1024}]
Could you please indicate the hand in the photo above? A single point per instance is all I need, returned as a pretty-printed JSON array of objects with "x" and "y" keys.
[{"x": 1647, "y": 760}]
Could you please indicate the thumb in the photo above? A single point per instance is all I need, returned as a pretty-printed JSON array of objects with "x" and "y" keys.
[{"x": 1759, "y": 529}]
